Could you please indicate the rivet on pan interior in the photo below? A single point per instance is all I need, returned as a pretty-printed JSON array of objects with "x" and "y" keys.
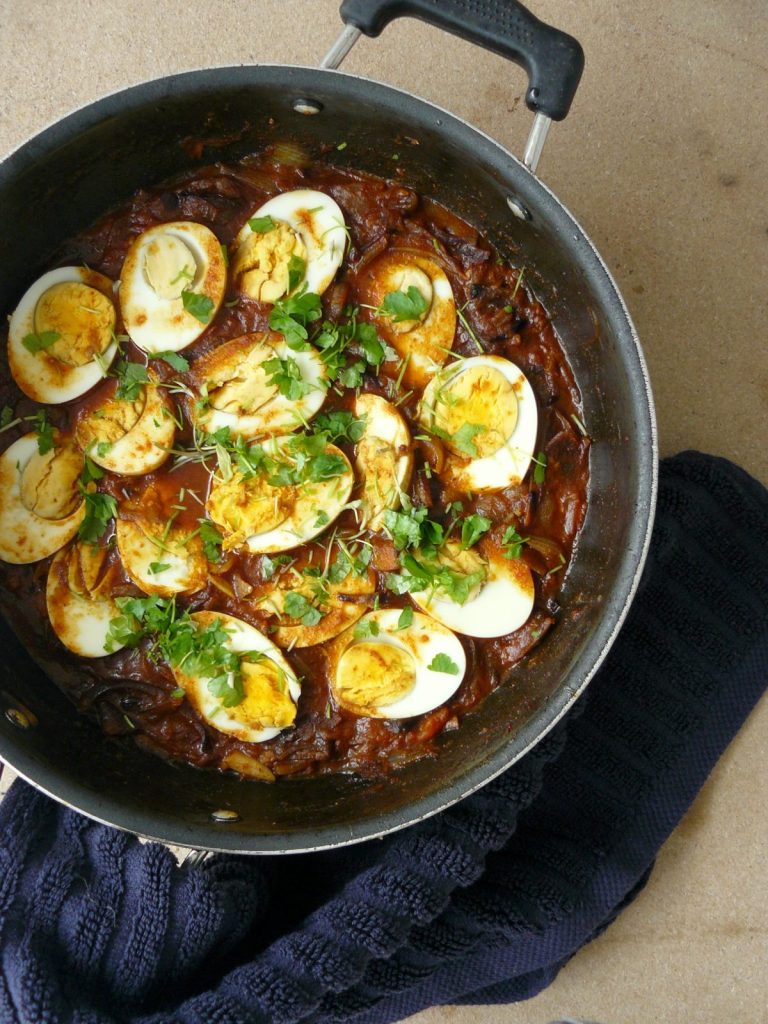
[
  {"x": 18, "y": 718},
  {"x": 224, "y": 816},
  {"x": 518, "y": 209},
  {"x": 302, "y": 105}
]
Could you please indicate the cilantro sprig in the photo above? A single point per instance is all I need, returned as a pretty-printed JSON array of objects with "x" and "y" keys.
[
  {"x": 42, "y": 426},
  {"x": 286, "y": 376},
  {"x": 444, "y": 663},
  {"x": 292, "y": 316},
  {"x": 175, "y": 637}
]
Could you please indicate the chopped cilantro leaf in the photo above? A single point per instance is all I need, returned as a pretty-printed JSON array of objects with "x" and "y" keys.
[
  {"x": 211, "y": 539},
  {"x": 512, "y": 543},
  {"x": 291, "y": 317},
  {"x": 443, "y": 663},
  {"x": 99, "y": 510},
  {"x": 38, "y": 342},
  {"x": 178, "y": 362},
  {"x": 472, "y": 529},
  {"x": 401, "y": 306},
  {"x": 286, "y": 376},
  {"x": 156, "y": 567},
  {"x": 352, "y": 376},
  {"x": 44, "y": 430},
  {"x": 261, "y": 224},
  {"x": 297, "y": 269},
  {"x": 406, "y": 618},
  {"x": 131, "y": 377},
  {"x": 90, "y": 471},
  {"x": 322, "y": 519},
  {"x": 178, "y": 693},
  {"x": 463, "y": 438},
  {"x": 340, "y": 426},
  {"x": 198, "y": 305},
  {"x": 6, "y": 417},
  {"x": 298, "y": 607},
  {"x": 540, "y": 468},
  {"x": 366, "y": 628}
]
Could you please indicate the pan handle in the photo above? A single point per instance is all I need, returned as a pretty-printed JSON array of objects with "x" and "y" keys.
[{"x": 553, "y": 60}]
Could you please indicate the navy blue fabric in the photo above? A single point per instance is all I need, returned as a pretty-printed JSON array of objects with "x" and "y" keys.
[{"x": 481, "y": 904}]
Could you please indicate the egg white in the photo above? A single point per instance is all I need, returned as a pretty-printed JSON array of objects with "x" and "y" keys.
[
  {"x": 383, "y": 458},
  {"x": 502, "y": 604},
  {"x": 238, "y": 364},
  {"x": 242, "y": 638},
  {"x": 24, "y": 535},
  {"x": 80, "y": 607},
  {"x": 512, "y": 460},
  {"x": 141, "y": 449},
  {"x": 421, "y": 642},
  {"x": 318, "y": 222},
  {"x": 158, "y": 322},
  {"x": 140, "y": 544},
  {"x": 40, "y": 375},
  {"x": 292, "y": 512}
]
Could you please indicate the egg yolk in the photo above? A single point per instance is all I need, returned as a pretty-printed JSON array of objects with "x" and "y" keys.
[
  {"x": 83, "y": 318},
  {"x": 261, "y": 262},
  {"x": 49, "y": 483},
  {"x": 241, "y": 387},
  {"x": 170, "y": 266},
  {"x": 244, "y": 508},
  {"x": 267, "y": 702},
  {"x": 481, "y": 397},
  {"x": 372, "y": 675},
  {"x": 376, "y": 464},
  {"x": 110, "y": 421}
]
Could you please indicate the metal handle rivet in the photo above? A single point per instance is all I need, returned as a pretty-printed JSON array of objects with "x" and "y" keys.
[
  {"x": 307, "y": 106},
  {"x": 518, "y": 209},
  {"x": 18, "y": 718},
  {"x": 223, "y": 816}
]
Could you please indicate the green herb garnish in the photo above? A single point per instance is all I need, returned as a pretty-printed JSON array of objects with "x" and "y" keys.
[
  {"x": 286, "y": 376},
  {"x": 211, "y": 539},
  {"x": 100, "y": 509},
  {"x": 512, "y": 543},
  {"x": 291, "y": 317},
  {"x": 261, "y": 225},
  {"x": 401, "y": 306},
  {"x": 540, "y": 468},
  {"x": 131, "y": 378},
  {"x": 298, "y": 607},
  {"x": 156, "y": 567},
  {"x": 198, "y": 305},
  {"x": 406, "y": 618},
  {"x": 442, "y": 663},
  {"x": 365, "y": 629},
  {"x": 472, "y": 529},
  {"x": 178, "y": 362},
  {"x": 38, "y": 342},
  {"x": 45, "y": 432}
]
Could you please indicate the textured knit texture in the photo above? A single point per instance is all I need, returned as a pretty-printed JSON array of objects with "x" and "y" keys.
[{"x": 483, "y": 903}]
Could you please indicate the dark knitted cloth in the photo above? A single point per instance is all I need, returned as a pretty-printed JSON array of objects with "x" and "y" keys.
[{"x": 483, "y": 903}]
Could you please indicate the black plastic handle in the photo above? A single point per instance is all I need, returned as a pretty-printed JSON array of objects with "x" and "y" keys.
[{"x": 553, "y": 59}]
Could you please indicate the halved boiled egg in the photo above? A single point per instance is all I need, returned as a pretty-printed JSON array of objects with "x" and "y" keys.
[
  {"x": 79, "y": 599},
  {"x": 172, "y": 284},
  {"x": 266, "y": 516},
  {"x": 160, "y": 556},
  {"x": 241, "y": 381},
  {"x": 381, "y": 670},
  {"x": 129, "y": 437},
  {"x": 41, "y": 506},
  {"x": 383, "y": 458},
  {"x": 61, "y": 337},
  {"x": 330, "y": 593},
  {"x": 294, "y": 239},
  {"x": 499, "y": 602},
  {"x": 484, "y": 410},
  {"x": 424, "y": 341},
  {"x": 270, "y": 684}
]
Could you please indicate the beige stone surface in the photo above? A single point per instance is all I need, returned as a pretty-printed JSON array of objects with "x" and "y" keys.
[{"x": 663, "y": 159}]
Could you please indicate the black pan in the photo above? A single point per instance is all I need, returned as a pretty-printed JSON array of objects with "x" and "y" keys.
[{"x": 63, "y": 179}]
